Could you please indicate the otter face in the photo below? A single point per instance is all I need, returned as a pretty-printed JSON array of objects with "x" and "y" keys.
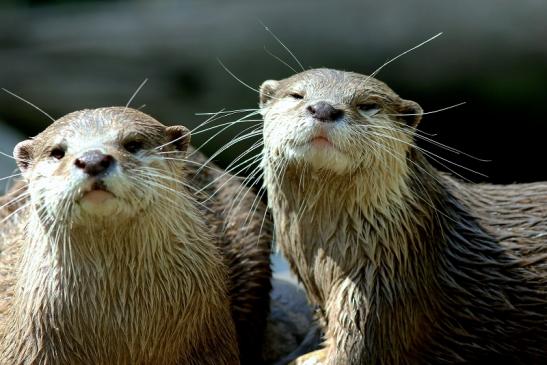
[
  {"x": 335, "y": 120},
  {"x": 107, "y": 163}
]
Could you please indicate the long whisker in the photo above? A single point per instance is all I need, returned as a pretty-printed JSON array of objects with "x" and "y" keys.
[
  {"x": 13, "y": 158},
  {"x": 226, "y": 124},
  {"x": 29, "y": 103},
  {"x": 246, "y": 163},
  {"x": 237, "y": 78},
  {"x": 400, "y": 55},
  {"x": 279, "y": 59},
  {"x": 430, "y": 154},
  {"x": 418, "y": 134},
  {"x": 213, "y": 137},
  {"x": 430, "y": 112},
  {"x": 228, "y": 112},
  {"x": 11, "y": 176},
  {"x": 24, "y": 206},
  {"x": 236, "y": 140},
  {"x": 17, "y": 199},
  {"x": 135, "y": 94},
  {"x": 282, "y": 44}
]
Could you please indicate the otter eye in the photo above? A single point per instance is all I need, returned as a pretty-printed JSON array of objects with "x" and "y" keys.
[
  {"x": 368, "y": 109},
  {"x": 57, "y": 153},
  {"x": 133, "y": 146},
  {"x": 296, "y": 96}
]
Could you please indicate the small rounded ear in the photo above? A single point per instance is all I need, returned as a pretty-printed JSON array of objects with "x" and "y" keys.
[
  {"x": 267, "y": 91},
  {"x": 178, "y": 136},
  {"x": 23, "y": 152},
  {"x": 410, "y": 112}
]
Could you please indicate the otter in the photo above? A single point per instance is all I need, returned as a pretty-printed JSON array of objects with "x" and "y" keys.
[
  {"x": 107, "y": 257},
  {"x": 407, "y": 264}
]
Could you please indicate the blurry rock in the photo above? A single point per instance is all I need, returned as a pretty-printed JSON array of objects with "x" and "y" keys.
[{"x": 291, "y": 330}]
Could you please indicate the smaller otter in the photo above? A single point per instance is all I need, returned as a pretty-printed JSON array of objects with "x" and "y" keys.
[
  {"x": 108, "y": 260},
  {"x": 407, "y": 265}
]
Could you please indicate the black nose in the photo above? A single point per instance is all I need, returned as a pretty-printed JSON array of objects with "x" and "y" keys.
[
  {"x": 325, "y": 112},
  {"x": 94, "y": 162}
]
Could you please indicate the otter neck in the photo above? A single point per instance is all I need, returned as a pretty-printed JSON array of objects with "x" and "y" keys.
[
  {"x": 343, "y": 219},
  {"x": 82, "y": 282},
  {"x": 373, "y": 256}
]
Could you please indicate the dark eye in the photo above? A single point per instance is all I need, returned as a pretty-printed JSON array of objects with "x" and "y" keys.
[
  {"x": 57, "y": 153},
  {"x": 296, "y": 96},
  {"x": 133, "y": 146},
  {"x": 368, "y": 109}
]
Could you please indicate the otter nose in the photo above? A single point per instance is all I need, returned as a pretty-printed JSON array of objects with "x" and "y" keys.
[
  {"x": 94, "y": 162},
  {"x": 325, "y": 112}
]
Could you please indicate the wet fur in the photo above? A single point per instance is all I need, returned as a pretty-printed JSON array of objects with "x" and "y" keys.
[
  {"x": 151, "y": 289},
  {"x": 408, "y": 265}
]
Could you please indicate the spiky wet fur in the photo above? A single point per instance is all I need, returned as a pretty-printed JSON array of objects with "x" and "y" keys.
[
  {"x": 147, "y": 287},
  {"x": 407, "y": 265}
]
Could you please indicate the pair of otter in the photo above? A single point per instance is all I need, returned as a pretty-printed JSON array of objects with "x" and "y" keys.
[{"x": 407, "y": 265}]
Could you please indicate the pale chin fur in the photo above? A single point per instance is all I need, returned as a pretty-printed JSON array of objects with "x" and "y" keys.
[{"x": 293, "y": 143}]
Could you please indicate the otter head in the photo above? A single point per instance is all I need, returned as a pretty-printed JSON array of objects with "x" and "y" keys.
[
  {"x": 336, "y": 121},
  {"x": 105, "y": 164}
]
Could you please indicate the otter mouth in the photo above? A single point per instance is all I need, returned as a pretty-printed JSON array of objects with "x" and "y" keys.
[
  {"x": 97, "y": 193},
  {"x": 321, "y": 142}
]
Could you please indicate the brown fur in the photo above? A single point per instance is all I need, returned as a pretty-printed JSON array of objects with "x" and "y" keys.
[
  {"x": 142, "y": 288},
  {"x": 244, "y": 231},
  {"x": 408, "y": 265}
]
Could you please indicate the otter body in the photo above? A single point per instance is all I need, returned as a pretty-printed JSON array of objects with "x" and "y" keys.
[
  {"x": 407, "y": 265},
  {"x": 108, "y": 259}
]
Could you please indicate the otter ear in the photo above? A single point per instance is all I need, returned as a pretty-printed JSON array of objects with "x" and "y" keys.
[
  {"x": 23, "y": 152},
  {"x": 267, "y": 91},
  {"x": 178, "y": 136},
  {"x": 411, "y": 112}
]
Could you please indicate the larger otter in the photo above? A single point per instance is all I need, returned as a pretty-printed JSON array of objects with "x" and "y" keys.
[
  {"x": 110, "y": 259},
  {"x": 408, "y": 265}
]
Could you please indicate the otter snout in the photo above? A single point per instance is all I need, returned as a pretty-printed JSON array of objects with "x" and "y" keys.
[
  {"x": 94, "y": 162},
  {"x": 325, "y": 112}
]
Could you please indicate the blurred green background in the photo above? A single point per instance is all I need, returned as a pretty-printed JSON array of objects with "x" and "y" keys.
[{"x": 69, "y": 55}]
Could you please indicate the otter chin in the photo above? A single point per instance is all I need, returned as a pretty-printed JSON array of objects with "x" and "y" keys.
[
  {"x": 96, "y": 197},
  {"x": 318, "y": 147},
  {"x": 407, "y": 265},
  {"x": 99, "y": 201}
]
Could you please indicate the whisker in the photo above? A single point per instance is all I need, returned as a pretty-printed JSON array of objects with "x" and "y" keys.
[
  {"x": 237, "y": 78},
  {"x": 29, "y": 103},
  {"x": 430, "y": 154},
  {"x": 231, "y": 143},
  {"x": 279, "y": 59},
  {"x": 229, "y": 111},
  {"x": 418, "y": 134},
  {"x": 282, "y": 44},
  {"x": 430, "y": 112},
  {"x": 212, "y": 138},
  {"x": 13, "y": 158},
  {"x": 226, "y": 124},
  {"x": 17, "y": 199},
  {"x": 135, "y": 94},
  {"x": 228, "y": 172},
  {"x": 14, "y": 212},
  {"x": 400, "y": 55},
  {"x": 11, "y": 176}
]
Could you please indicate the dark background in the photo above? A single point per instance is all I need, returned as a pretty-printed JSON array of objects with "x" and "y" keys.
[{"x": 69, "y": 55}]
